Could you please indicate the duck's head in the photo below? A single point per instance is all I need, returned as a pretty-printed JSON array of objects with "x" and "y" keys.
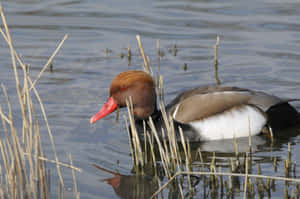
[{"x": 134, "y": 84}]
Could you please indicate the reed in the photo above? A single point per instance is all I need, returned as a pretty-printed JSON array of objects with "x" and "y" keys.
[
  {"x": 224, "y": 174},
  {"x": 147, "y": 69},
  {"x": 25, "y": 173},
  {"x": 246, "y": 178},
  {"x": 138, "y": 159},
  {"x": 175, "y": 157},
  {"x": 216, "y": 62},
  {"x": 129, "y": 55}
]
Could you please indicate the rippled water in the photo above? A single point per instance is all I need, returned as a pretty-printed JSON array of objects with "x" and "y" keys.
[{"x": 259, "y": 49}]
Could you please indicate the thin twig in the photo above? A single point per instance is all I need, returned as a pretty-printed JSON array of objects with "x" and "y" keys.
[
  {"x": 216, "y": 62},
  {"x": 246, "y": 177},
  {"x": 4, "y": 117},
  {"x": 77, "y": 194},
  {"x": 49, "y": 61},
  {"x": 143, "y": 53},
  {"x": 54, "y": 161}
]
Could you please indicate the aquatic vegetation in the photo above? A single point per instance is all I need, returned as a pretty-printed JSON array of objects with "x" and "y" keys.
[{"x": 23, "y": 167}]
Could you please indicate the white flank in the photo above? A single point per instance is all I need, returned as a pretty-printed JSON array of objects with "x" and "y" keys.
[{"x": 234, "y": 123}]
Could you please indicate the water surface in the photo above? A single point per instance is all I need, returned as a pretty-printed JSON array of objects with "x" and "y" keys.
[{"x": 259, "y": 49}]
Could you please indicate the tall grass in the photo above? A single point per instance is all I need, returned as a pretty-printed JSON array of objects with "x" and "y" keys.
[
  {"x": 23, "y": 164},
  {"x": 175, "y": 159}
]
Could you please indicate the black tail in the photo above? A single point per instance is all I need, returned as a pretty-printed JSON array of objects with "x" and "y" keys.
[{"x": 283, "y": 116}]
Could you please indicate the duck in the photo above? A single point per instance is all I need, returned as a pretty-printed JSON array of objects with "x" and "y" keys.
[{"x": 203, "y": 113}]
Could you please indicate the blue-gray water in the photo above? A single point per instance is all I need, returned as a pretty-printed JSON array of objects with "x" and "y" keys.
[{"x": 259, "y": 49}]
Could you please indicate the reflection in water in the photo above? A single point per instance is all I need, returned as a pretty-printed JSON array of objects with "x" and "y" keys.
[
  {"x": 228, "y": 146},
  {"x": 144, "y": 186},
  {"x": 131, "y": 187}
]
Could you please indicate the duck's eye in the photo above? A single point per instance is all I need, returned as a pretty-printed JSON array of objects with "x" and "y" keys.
[{"x": 123, "y": 88}]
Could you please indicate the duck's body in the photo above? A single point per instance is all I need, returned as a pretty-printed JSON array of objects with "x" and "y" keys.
[{"x": 205, "y": 113}]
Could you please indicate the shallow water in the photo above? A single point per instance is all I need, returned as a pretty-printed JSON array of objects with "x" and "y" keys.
[{"x": 259, "y": 49}]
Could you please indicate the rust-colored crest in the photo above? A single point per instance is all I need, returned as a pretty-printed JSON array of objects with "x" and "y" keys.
[{"x": 125, "y": 79}]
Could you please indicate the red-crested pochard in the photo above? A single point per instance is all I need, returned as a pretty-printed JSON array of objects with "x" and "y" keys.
[{"x": 204, "y": 113}]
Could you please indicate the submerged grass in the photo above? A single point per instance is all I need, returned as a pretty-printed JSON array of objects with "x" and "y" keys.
[
  {"x": 176, "y": 161},
  {"x": 23, "y": 166}
]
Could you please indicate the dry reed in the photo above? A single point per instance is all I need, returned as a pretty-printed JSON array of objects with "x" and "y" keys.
[
  {"x": 26, "y": 174},
  {"x": 216, "y": 62}
]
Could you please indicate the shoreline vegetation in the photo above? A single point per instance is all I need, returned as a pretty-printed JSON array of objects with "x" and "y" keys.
[{"x": 23, "y": 166}]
